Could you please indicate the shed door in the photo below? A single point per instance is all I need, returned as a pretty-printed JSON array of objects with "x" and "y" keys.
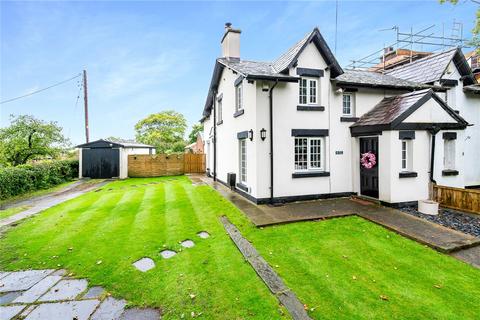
[
  {"x": 100, "y": 163},
  {"x": 369, "y": 173}
]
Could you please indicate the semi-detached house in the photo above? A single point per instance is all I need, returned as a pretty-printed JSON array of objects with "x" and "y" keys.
[{"x": 301, "y": 127}]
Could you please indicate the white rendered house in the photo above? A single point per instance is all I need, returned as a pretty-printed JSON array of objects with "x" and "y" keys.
[{"x": 296, "y": 128}]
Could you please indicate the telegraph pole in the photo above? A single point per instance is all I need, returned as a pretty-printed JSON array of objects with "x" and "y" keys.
[{"x": 85, "y": 101}]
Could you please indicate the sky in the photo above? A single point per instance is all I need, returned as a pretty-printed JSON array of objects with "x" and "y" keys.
[{"x": 146, "y": 57}]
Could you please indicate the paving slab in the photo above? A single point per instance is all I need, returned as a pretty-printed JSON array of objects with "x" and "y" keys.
[
  {"x": 65, "y": 290},
  {"x": 35, "y": 292},
  {"x": 27, "y": 310},
  {"x": 110, "y": 309},
  {"x": 167, "y": 254},
  {"x": 187, "y": 244},
  {"x": 94, "y": 293},
  {"x": 22, "y": 280},
  {"x": 144, "y": 264},
  {"x": 470, "y": 255},
  {"x": 203, "y": 234},
  {"x": 8, "y": 297},
  {"x": 4, "y": 274},
  {"x": 79, "y": 310},
  {"x": 140, "y": 314},
  {"x": 8, "y": 312}
]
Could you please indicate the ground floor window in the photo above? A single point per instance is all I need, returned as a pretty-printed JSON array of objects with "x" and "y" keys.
[
  {"x": 406, "y": 157},
  {"x": 449, "y": 154},
  {"x": 309, "y": 154},
  {"x": 243, "y": 160}
]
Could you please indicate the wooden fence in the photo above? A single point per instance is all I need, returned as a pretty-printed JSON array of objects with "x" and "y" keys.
[
  {"x": 144, "y": 165},
  {"x": 457, "y": 198}
]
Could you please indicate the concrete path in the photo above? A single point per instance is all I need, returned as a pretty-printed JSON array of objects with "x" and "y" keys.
[
  {"x": 50, "y": 294},
  {"x": 434, "y": 235},
  {"x": 37, "y": 204}
]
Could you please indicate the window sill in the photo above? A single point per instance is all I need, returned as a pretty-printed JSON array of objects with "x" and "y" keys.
[
  {"x": 310, "y": 108},
  {"x": 310, "y": 174},
  {"x": 408, "y": 174},
  {"x": 219, "y": 122},
  {"x": 449, "y": 172},
  {"x": 242, "y": 187},
  {"x": 348, "y": 119},
  {"x": 238, "y": 113}
]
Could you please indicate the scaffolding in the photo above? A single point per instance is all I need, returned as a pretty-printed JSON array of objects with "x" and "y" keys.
[{"x": 411, "y": 41}]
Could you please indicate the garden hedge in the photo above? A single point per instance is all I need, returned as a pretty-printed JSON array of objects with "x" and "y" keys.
[{"x": 26, "y": 178}]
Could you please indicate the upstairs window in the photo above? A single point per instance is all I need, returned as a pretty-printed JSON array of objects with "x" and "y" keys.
[
  {"x": 239, "y": 97},
  {"x": 308, "y": 91},
  {"x": 449, "y": 154},
  {"x": 219, "y": 110},
  {"x": 309, "y": 154},
  {"x": 347, "y": 104}
]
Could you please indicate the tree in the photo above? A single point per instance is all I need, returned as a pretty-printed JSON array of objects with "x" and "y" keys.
[
  {"x": 196, "y": 128},
  {"x": 164, "y": 130},
  {"x": 475, "y": 41},
  {"x": 27, "y": 138}
]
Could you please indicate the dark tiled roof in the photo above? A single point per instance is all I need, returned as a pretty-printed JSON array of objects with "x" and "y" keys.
[
  {"x": 389, "y": 109},
  {"x": 252, "y": 68},
  {"x": 284, "y": 61},
  {"x": 425, "y": 70},
  {"x": 375, "y": 79}
]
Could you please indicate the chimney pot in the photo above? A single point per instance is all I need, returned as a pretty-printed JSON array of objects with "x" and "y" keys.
[{"x": 228, "y": 25}]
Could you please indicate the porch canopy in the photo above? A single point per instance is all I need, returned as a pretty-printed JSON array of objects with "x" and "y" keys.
[{"x": 418, "y": 110}]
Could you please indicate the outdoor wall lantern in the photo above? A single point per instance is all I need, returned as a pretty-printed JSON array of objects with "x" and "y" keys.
[
  {"x": 263, "y": 134},
  {"x": 250, "y": 134}
]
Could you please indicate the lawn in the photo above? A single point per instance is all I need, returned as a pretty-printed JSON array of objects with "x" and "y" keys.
[
  {"x": 340, "y": 268},
  {"x": 128, "y": 220}
]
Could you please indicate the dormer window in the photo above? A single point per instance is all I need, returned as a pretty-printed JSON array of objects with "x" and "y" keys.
[{"x": 308, "y": 91}]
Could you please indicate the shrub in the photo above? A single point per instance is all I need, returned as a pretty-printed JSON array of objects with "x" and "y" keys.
[{"x": 26, "y": 178}]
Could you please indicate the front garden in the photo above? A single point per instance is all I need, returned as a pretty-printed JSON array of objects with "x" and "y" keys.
[{"x": 342, "y": 268}]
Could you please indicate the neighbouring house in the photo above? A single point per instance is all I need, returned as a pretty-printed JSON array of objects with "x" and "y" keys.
[
  {"x": 473, "y": 59},
  {"x": 196, "y": 147},
  {"x": 108, "y": 159},
  {"x": 301, "y": 127},
  {"x": 393, "y": 58}
]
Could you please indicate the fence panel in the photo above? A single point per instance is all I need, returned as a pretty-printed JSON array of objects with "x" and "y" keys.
[
  {"x": 144, "y": 165},
  {"x": 194, "y": 163},
  {"x": 457, "y": 198}
]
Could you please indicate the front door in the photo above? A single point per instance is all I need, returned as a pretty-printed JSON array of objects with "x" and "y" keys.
[{"x": 369, "y": 167}]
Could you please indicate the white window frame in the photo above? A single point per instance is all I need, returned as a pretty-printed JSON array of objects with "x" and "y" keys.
[
  {"x": 320, "y": 156},
  {"x": 449, "y": 154},
  {"x": 219, "y": 110},
  {"x": 352, "y": 104},
  {"x": 310, "y": 99},
  {"x": 239, "y": 97},
  {"x": 242, "y": 163},
  {"x": 404, "y": 155}
]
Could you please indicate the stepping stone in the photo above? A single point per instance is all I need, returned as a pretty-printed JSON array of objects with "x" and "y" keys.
[
  {"x": 35, "y": 292},
  {"x": 140, "y": 314},
  {"x": 22, "y": 280},
  {"x": 110, "y": 308},
  {"x": 94, "y": 293},
  {"x": 167, "y": 254},
  {"x": 9, "y": 297},
  {"x": 8, "y": 312},
  {"x": 203, "y": 234},
  {"x": 187, "y": 243},
  {"x": 144, "y": 264},
  {"x": 65, "y": 290},
  {"x": 79, "y": 310}
]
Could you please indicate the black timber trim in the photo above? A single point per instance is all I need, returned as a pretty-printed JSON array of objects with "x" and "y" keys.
[
  {"x": 375, "y": 129},
  {"x": 449, "y": 82},
  {"x": 219, "y": 122},
  {"x": 310, "y": 72},
  {"x": 349, "y": 119},
  {"x": 406, "y": 135},
  {"x": 309, "y": 132},
  {"x": 242, "y": 187},
  {"x": 242, "y": 135},
  {"x": 408, "y": 174},
  {"x": 272, "y": 78},
  {"x": 238, "y": 81},
  {"x": 397, "y": 205},
  {"x": 310, "y": 108},
  {"x": 449, "y": 173},
  {"x": 352, "y": 85},
  {"x": 365, "y": 134},
  {"x": 350, "y": 90},
  {"x": 310, "y": 174},
  {"x": 239, "y": 113},
  {"x": 449, "y": 136}
]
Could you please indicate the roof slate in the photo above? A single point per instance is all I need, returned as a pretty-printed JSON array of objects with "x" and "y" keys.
[
  {"x": 390, "y": 108},
  {"x": 360, "y": 77},
  {"x": 425, "y": 70},
  {"x": 282, "y": 62},
  {"x": 252, "y": 68}
]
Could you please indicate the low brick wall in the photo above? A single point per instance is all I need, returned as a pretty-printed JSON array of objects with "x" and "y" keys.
[{"x": 157, "y": 165}]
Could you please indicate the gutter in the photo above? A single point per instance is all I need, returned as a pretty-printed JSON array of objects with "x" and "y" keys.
[
  {"x": 270, "y": 97},
  {"x": 433, "y": 131}
]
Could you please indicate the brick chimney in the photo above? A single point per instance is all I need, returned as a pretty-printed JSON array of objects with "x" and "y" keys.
[{"x": 231, "y": 42}]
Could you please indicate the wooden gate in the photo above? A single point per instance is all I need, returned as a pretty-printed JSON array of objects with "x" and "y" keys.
[{"x": 194, "y": 163}]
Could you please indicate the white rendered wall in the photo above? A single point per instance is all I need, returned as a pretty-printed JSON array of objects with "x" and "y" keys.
[
  {"x": 80, "y": 160},
  {"x": 123, "y": 154}
]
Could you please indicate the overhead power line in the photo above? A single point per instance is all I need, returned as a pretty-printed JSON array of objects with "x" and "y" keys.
[{"x": 40, "y": 90}]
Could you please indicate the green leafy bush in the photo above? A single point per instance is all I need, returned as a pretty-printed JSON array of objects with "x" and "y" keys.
[{"x": 25, "y": 178}]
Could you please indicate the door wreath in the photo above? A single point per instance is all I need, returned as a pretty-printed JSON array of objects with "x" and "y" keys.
[{"x": 368, "y": 160}]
